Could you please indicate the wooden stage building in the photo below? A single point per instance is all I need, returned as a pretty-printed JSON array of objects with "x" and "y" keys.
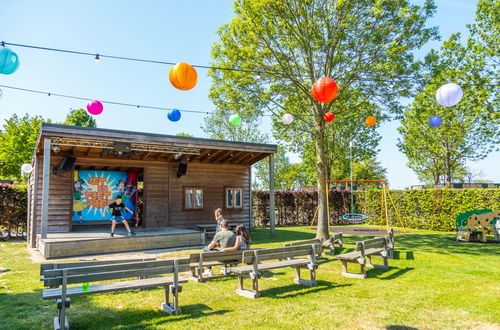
[{"x": 173, "y": 184}]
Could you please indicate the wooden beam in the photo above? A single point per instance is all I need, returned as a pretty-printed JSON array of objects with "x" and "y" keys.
[
  {"x": 241, "y": 156},
  {"x": 208, "y": 154},
  {"x": 271, "y": 194},
  {"x": 226, "y": 157},
  {"x": 254, "y": 159},
  {"x": 214, "y": 155},
  {"x": 88, "y": 152},
  {"x": 34, "y": 212},
  {"x": 201, "y": 155},
  {"x": 250, "y": 200},
  {"x": 45, "y": 187}
]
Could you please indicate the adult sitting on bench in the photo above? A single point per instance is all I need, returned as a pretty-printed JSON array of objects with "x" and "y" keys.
[
  {"x": 223, "y": 239},
  {"x": 363, "y": 256},
  {"x": 54, "y": 277}
]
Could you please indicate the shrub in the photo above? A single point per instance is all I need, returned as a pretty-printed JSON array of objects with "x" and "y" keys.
[{"x": 13, "y": 211}]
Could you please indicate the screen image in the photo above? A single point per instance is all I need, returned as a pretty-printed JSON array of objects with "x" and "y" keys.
[{"x": 95, "y": 190}]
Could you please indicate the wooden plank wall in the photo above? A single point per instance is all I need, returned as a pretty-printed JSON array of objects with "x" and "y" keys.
[
  {"x": 156, "y": 208},
  {"x": 213, "y": 178},
  {"x": 60, "y": 198}
]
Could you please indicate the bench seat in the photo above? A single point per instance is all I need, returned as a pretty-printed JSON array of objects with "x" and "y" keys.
[
  {"x": 271, "y": 265},
  {"x": 357, "y": 254},
  {"x": 111, "y": 287},
  {"x": 379, "y": 247}
]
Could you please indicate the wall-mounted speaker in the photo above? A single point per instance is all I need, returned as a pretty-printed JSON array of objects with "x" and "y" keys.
[{"x": 182, "y": 169}]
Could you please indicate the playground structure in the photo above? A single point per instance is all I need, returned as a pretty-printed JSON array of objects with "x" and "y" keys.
[{"x": 473, "y": 225}]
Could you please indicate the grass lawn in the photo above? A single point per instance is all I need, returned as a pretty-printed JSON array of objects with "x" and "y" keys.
[{"x": 434, "y": 283}]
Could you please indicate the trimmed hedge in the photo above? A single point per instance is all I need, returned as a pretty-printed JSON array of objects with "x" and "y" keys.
[
  {"x": 432, "y": 209},
  {"x": 13, "y": 211}
]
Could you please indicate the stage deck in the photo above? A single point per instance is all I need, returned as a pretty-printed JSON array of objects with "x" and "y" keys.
[{"x": 97, "y": 241}]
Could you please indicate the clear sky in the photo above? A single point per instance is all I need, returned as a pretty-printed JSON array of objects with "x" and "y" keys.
[{"x": 173, "y": 31}]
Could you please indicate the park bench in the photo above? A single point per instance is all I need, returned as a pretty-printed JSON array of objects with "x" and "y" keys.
[
  {"x": 390, "y": 243},
  {"x": 198, "y": 261},
  {"x": 282, "y": 257},
  {"x": 365, "y": 250},
  {"x": 328, "y": 243},
  {"x": 58, "y": 279}
]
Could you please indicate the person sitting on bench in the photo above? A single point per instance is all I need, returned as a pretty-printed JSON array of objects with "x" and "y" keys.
[
  {"x": 223, "y": 239},
  {"x": 242, "y": 240},
  {"x": 116, "y": 215}
]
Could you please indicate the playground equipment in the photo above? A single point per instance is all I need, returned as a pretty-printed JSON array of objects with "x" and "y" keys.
[{"x": 475, "y": 223}]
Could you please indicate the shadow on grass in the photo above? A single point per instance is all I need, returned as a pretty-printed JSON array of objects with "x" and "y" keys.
[
  {"x": 295, "y": 290},
  {"x": 399, "y": 327},
  {"x": 396, "y": 274}
]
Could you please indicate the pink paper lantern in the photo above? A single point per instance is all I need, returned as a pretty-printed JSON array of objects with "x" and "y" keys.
[{"x": 94, "y": 107}]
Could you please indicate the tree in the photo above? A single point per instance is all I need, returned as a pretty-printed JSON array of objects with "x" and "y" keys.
[
  {"x": 184, "y": 134},
  {"x": 17, "y": 142},
  {"x": 365, "y": 45},
  {"x": 79, "y": 117},
  {"x": 468, "y": 132}
]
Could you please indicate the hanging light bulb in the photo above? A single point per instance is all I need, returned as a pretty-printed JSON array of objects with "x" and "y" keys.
[
  {"x": 258, "y": 75},
  {"x": 97, "y": 59}
]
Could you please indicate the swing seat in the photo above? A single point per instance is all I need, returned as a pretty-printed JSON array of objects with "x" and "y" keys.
[{"x": 355, "y": 217}]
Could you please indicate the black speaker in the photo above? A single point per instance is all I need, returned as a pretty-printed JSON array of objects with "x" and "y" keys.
[
  {"x": 183, "y": 166},
  {"x": 67, "y": 162}
]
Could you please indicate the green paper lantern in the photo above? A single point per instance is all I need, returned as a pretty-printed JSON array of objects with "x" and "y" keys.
[{"x": 235, "y": 119}]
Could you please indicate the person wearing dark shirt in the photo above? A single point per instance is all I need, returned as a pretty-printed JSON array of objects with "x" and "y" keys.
[{"x": 117, "y": 208}]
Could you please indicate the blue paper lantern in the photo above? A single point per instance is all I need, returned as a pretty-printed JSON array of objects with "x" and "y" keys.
[
  {"x": 9, "y": 62},
  {"x": 435, "y": 121},
  {"x": 174, "y": 115}
]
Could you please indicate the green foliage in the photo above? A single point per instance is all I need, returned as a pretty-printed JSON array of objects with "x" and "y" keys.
[
  {"x": 184, "y": 134},
  {"x": 81, "y": 118},
  {"x": 13, "y": 210},
  {"x": 17, "y": 142},
  {"x": 365, "y": 46}
]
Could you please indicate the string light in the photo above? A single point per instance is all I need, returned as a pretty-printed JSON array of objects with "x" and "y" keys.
[{"x": 97, "y": 59}]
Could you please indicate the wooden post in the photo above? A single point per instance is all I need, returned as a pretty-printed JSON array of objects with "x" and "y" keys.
[
  {"x": 271, "y": 193},
  {"x": 250, "y": 203},
  {"x": 28, "y": 213},
  {"x": 45, "y": 187}
]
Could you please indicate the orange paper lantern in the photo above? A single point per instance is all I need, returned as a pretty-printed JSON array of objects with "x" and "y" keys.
[
  {"x": 183, "y": 76},
  {"x": 325, "y": 90},
  {"x": 370, "y": 121},
  {"x": 328, "y": 116}
]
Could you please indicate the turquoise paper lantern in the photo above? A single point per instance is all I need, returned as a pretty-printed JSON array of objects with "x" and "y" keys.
[{"x": 9, "y": 62}]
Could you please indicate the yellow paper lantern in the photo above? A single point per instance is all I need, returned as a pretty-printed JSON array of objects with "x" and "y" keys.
[{"x": 183, "y": 76}]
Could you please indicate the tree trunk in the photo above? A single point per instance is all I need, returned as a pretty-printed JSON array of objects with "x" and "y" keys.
[{"x": 322, "y": 231}]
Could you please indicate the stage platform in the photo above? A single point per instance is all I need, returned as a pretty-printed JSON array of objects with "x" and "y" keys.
[{"x": 91, "y": 241}]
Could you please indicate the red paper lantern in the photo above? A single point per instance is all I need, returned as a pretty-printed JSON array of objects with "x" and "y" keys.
[
  {"x": 325, "y": 90},
  {"x": 328, "y": 116},
  {"x": 370, "y": 121}
]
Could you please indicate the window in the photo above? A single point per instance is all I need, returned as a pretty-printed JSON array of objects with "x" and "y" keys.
[
  {"x": 234, "y": 198},
  {"x": 193, "y": 198}
]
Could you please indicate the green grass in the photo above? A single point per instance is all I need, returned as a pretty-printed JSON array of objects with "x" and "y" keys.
[{"x": 434, "y": 283}]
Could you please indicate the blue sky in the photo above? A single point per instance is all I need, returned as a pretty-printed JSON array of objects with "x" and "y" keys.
[{"x": 173, "y": 31}]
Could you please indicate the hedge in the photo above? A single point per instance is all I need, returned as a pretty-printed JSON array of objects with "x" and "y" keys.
[
  {"x": 432, "y": 209},
  {"x": 13, "y": 211}
]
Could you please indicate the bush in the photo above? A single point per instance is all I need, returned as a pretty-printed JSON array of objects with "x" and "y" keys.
[
  {"x": 432, "y": 209},
  {"x": 13, "y": 211}
]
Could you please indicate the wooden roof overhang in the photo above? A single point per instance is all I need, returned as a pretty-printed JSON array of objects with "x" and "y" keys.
[{"x": 98, "y": 143}]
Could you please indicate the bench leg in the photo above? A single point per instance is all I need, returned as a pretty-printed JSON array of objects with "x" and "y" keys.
[
  {"x": 171, "y": 308},
  {"x": 247, "y": 293},
  {"x": 196, "y": 274},
  {"x": 348, "y": 274},
  {"x": 384, "y": 266},
  {"x": 61, "y": 321},
  {"x": 311, "y": 282}
]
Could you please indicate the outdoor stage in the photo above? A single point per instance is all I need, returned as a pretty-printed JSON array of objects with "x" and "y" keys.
[{"x": 89, "y": 241}]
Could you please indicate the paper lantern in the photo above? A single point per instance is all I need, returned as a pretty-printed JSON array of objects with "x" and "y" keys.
[
  {"x": 26, "y": 168},
  {"x": 328, "y": 116},
  {"x": 435, "y": 121},
  {"x": 448, "y": 95},
  {"x": 287, "y": 119},
  {"x": 9, "y": 62},
  {"x": 183, "y": 76},
  {"x": 94, "y": 107},
  {"x": 235, "y": 119},
  {"x": 325, "y": 90},
  {"x": 370, "y": 121},
  {"x": 174, "y": 115}
]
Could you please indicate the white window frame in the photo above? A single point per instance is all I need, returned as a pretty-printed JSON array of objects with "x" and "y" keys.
[
  {"x": 233, "y": 193},
  {"x": 193, "y": 191}
]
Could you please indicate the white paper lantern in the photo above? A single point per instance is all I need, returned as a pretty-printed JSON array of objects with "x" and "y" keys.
[
  {"x": 26, "y": 168},
  {"x": 1, "y": 93},
  {"x": 448, "y": 95},
  {"x": 287, "y": 119}
]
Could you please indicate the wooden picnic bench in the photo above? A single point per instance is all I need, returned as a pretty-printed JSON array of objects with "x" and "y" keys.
[
  {"x": 328, "y": 243},
  {"x": 365, "y": 250},
  {"x": 58, "y": 277},
  {"x": 198, "y": 261},
  {"x": 281, "y": 257}
]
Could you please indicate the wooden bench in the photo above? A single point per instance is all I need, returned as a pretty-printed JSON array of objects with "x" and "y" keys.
[
  {"x": 83, "y": 273},
  {"x": 390, "y": 243},
  {"x": 363, "y": 254},
  {"x": 277, "y": 258},
  {"x": 198, "y": 261},
  {"x": 328, "y": 243}
]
